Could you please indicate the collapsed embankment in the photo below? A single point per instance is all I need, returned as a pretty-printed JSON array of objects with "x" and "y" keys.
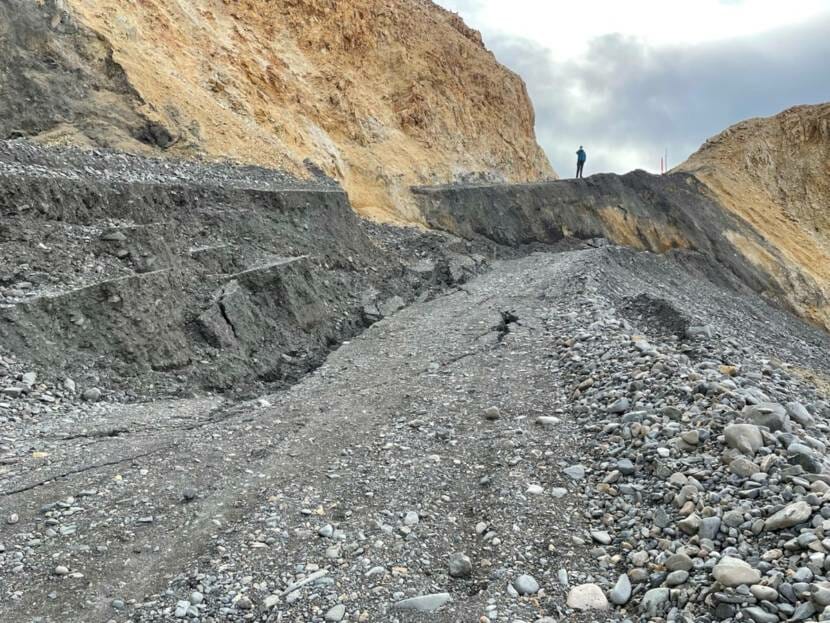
[
  {"x": 129, "y": 268},
  {"x": 670, "y": 213},
  {"x": 142, "y": 273}
]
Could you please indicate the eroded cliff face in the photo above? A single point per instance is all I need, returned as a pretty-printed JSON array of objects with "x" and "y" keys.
[
  {"x": 775, "y": 173},
  {"x": 380, "y": 94},
  {"x": 674, "y": 214},
  {"x": 753, "y": 204}
]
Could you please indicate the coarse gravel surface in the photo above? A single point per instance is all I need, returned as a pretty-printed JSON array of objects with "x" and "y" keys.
[
  {"x": 25, "y": 158},
  {"x": 558, "y": 421}
]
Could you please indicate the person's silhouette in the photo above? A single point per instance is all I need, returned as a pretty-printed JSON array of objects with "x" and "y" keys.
[{"x": 581, "y": 157}]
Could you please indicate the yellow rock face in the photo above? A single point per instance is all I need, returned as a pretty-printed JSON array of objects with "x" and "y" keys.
[
  {"x": 380, "y": 94},
  {"x": 775, "y": 174}
]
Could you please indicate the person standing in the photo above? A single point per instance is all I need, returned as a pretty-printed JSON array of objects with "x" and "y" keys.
[{"x": 581, "y": 157}]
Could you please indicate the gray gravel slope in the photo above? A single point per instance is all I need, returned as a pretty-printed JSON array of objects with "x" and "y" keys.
[{"x": 368, "y": 475}]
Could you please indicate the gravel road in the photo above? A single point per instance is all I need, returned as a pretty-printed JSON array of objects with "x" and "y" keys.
[{"x": 466, "y": 459}]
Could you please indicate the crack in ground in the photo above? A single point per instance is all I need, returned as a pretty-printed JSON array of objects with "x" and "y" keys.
[
  {"x": 99, "y": 434},
  {"x": 82, "y": 469},
  {"x": 461, "y": 357},
  {"x": 227, "y": 318}
]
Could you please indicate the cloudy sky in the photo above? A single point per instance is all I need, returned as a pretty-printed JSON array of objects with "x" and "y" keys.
[{"x": 630, "y": 78}]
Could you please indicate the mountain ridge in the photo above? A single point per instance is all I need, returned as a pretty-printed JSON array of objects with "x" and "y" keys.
[{"x": 774, "y": 172}]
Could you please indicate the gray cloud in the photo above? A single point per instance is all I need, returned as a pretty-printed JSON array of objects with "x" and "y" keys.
[{"x": 627, "y": 101}]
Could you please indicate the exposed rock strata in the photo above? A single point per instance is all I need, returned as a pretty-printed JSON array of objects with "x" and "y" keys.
[
  {"x": 671, "y": 213},
  {"x": 378, "y": 94},
  {"x": 775, "y": 173},
  {"x": 222, "y": 275}
]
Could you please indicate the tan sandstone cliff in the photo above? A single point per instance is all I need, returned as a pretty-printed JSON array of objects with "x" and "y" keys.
[
  {"x": 775, "y": 173},
  {"x": 381, "y": 94}
]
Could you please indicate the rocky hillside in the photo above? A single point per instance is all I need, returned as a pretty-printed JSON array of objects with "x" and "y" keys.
[
  {"x": 378, "y": 94},
  {"x": 225, "y": 397},
  {"x": 215, "y": 276},
  {"x": 775, "y": 173},
  {"x": 581, "y": 435},
  {"x": 754, "y": 201}
]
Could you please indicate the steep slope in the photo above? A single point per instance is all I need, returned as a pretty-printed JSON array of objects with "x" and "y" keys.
[
  {"x": 58, "y": 82},
  {"x": 214, "y": 276},
  {"x": 755, "y": 200},
  {"x": 378, "y": 94},
  {"x": 775, "y": 173},
  {"x": 662, "y": 214}
]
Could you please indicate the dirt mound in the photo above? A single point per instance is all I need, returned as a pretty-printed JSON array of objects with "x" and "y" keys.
[
  {"x": 775, "y": 173},
  {"x": 378, "y": 94}
]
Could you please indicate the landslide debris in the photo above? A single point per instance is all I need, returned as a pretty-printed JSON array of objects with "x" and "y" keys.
[
  {"x": 377, "y": 488},
  {"x": 672, "y": 214},
  {"x": 378, "y": 94},
  {"x": 147, "y": 277},
  {"x": 775, "y": 173}
]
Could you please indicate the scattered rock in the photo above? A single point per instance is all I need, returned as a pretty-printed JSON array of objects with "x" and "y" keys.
[
  {"x": 679, "y": 562},
  {"x": 769, "y": 414},
  {"x": 492, "y": 413},
  {"x": 588, "y": 597},
  {"x": 691, "y": 437},
  {"x": 761, "y": 592},
  {"x": 526, "y": 585},
  {"x": 745, "y": 438},
  {"x": 625, "y": 467},
  {"x": 620, "y": 406},
  {"x": 92, "y": 394},
  {"x": 575, "y": 472},
  {"x": 424, "y": 603},
  {"x": 460, "y": 566},
  {"x": 743, "y": 467},
  {"x": 676, "y": 578},
  {"x": 654, "y": 601},
  {"x": 545, "y": 420},
  {"x": 690, "y": 525},
  {"x": 621, "y": 592},
  {"x": 709, "y": 528},
  {"x": 336, "y": 613},
  {"x": 731, "y": 572},
  {"x": 799, "y": 413},
  {"x": 789, "y": 516},
  {"x": 759, "y": 615}
]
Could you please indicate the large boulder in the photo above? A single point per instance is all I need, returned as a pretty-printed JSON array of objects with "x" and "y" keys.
[
  {"x": 587, "y": 597},
  {"x": 799, "y": 413}
]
